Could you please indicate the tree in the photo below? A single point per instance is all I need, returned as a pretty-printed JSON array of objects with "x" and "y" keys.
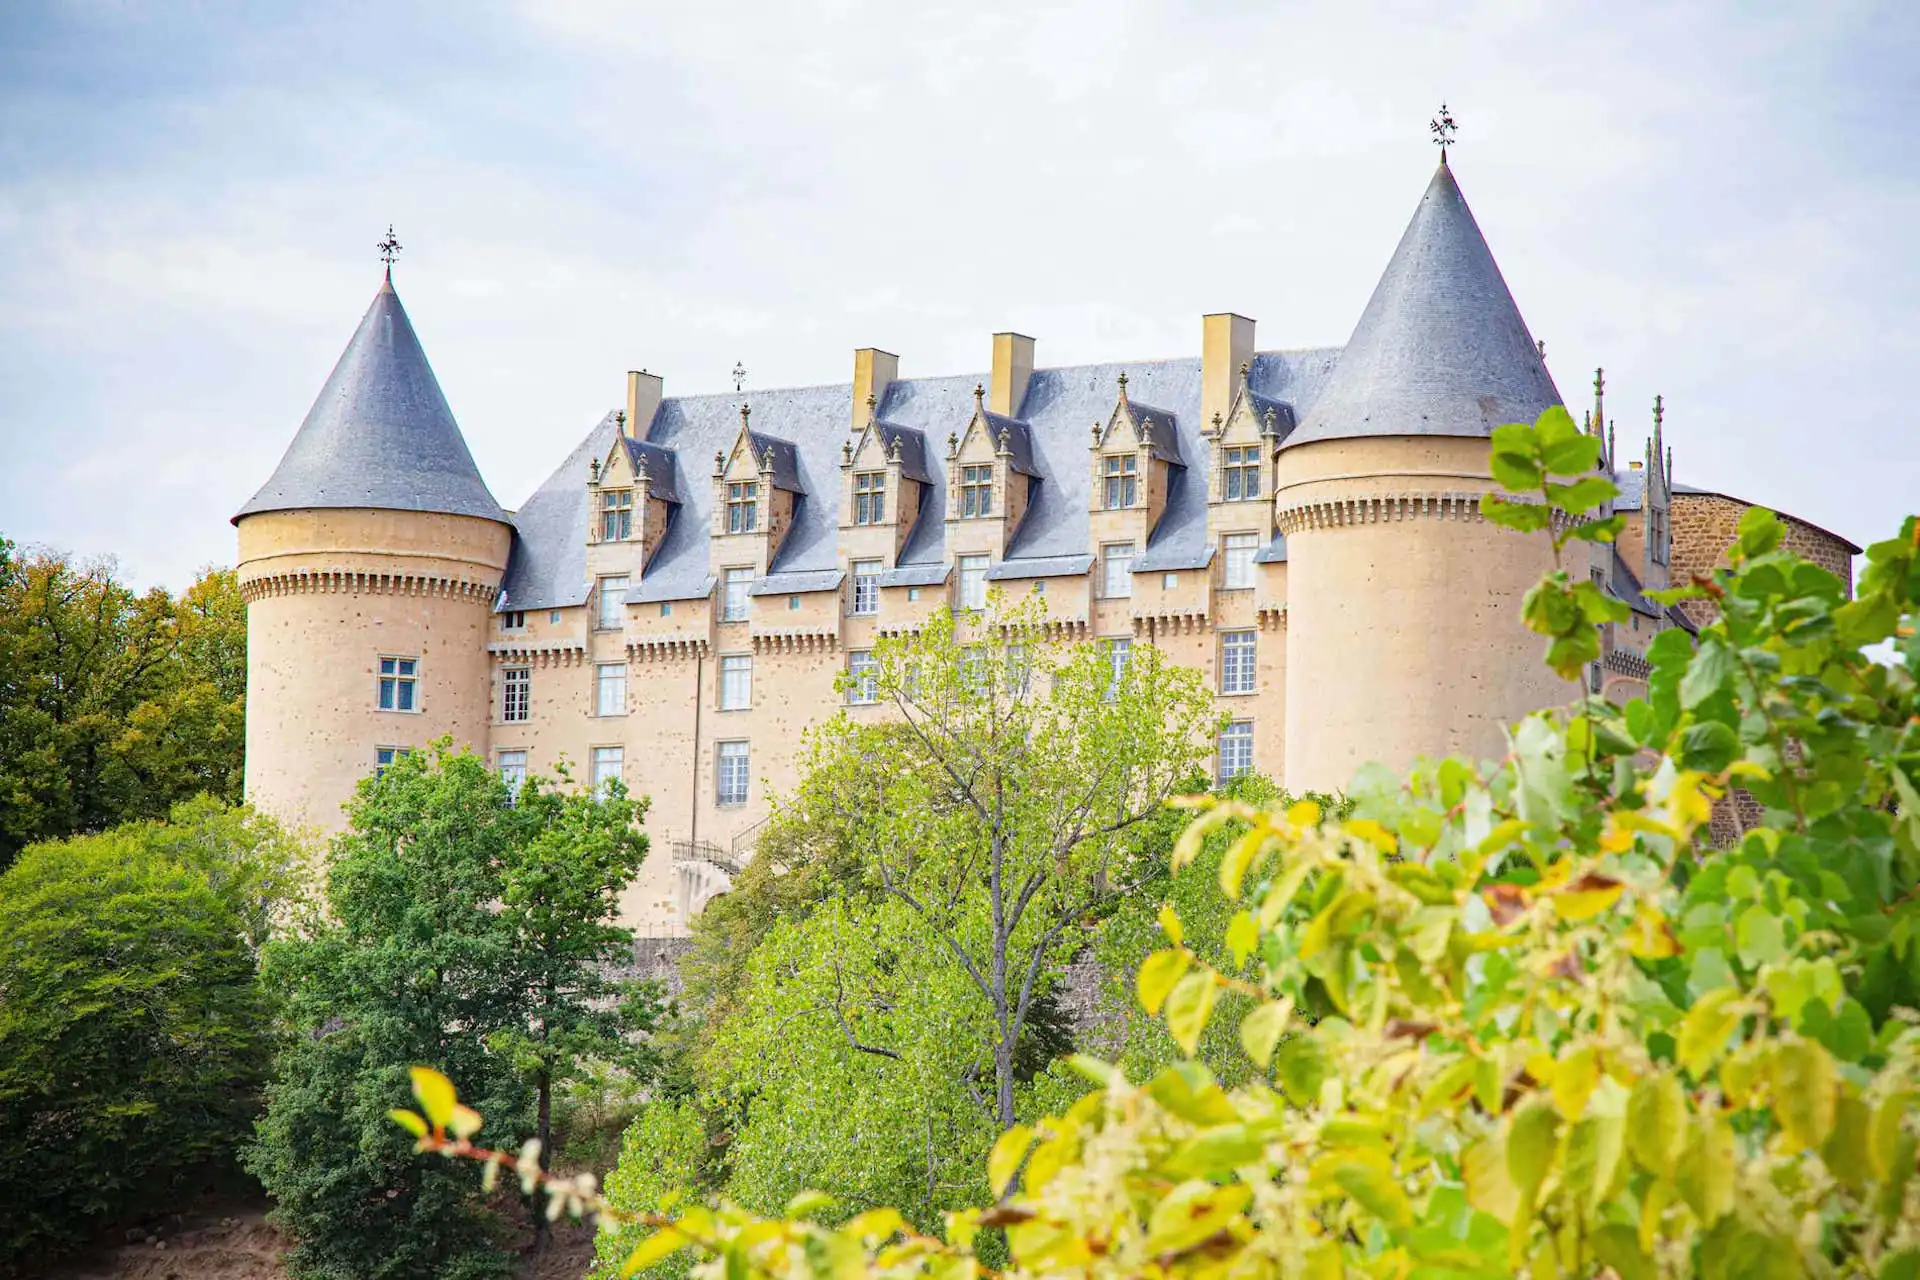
[
  {"x": 133, "y": 1029},
  {"x": 999, "y": 801},
  {"x": 463, "y": 930},
  {"x": 114, "y": 706}
]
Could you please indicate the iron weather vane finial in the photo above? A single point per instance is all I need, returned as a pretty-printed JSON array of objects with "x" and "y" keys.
[
  {"x": 389, "y": 250},
  {"x": 739, "y": 375},
  {"x": 1443, "y": 127}
]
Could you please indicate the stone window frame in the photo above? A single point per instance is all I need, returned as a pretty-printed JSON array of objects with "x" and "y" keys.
[
  {"x": 513, "y": 620},
  {"x": 738, "y": 694},
  {"x": 743, "y": 506},
  {"x": 863, "y": 597},
  {"x": 730, "y": 792},
  {"x": 397, "y": 689},
  {"x": 610, "y": 612},
  {"x": 516, "y": 679},
  {"x": 512, "y": 771},
  {"x": 1108, "y": 559},
  {"x": 869, "y": 497},
  {"x": 1241, "y": 734},
  {"x": 735, "y": 575},
  {"x": 1239, "y": 673},
  {"x": 616, "y": 515},
  {"x": 1119, "y": 652},
  {"x": 1120, "y": 480},
  {"x": 600, "y": 670},
  {"x": 970, "y": 572},
  {"x": 385, "y": 757},
  {"x": 598, "y": 757},
  {"x": 1240, "y": 473},
  {"x": 1241, "y": 555},
  {"x": 976, "y": 491},
  {"x": 863, "y": 672}
]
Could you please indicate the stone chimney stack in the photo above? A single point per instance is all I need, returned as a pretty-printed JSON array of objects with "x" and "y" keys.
[
  {"x": 1012, "y": 370},
  {"x": 873, "y": 370},
  {"x": 1226, "y": 343},
  {"x": 643, "y": 401}
]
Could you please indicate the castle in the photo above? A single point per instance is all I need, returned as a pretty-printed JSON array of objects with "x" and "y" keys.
[{"x": 674, "y": 604}]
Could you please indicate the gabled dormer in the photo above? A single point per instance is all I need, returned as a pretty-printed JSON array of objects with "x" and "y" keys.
[
  {"x": 756, "y": 487},
  {"x": 884, "y": 485},
  {"x": 1241, "y": 445},
  {"x": 1132, "y": 457},
  {"x": 632, "y": 491},
  {"x": 991, "y": 479}
]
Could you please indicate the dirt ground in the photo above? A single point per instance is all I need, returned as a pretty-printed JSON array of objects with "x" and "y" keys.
[{"x": 225, "y": 1236}]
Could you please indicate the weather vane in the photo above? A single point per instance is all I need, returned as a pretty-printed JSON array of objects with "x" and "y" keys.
[
  {"x": 739, "y": 375},
  {"x": 1443, "y": 127},
  {"x": 389, "y": 250}
]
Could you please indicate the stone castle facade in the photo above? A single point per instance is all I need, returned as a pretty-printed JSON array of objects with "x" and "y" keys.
[{"x": 674, "y": 605}]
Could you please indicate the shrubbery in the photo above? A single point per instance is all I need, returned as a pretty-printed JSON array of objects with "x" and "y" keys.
[{"x": 133, "y": 1030}]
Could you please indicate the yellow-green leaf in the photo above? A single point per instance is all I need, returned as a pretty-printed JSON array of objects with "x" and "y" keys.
[
  {"x": 1261, "y": 1029},
  {"x": 1531, "y": 1141},
  {"x": 1846, "y": 1150},
  {"x": 1242, "y": 936},
  {"x": 1806, "y": 1087},
  {"x": 1490, "y": 1188},
  {"x": 1368, "y": 1179},
  {"x": 1574, "y": 1077},
  {"x": 1706, "y": 1028},
  {"x": 1657, "y": 1122},
  {"x": 807, "y": 1203},
  {"x": 1586, "y": 898},
  {"x": 1283, "y": 892},
  {"x": 1883, "y": 1139},
  {"x": 436, "y": 1095},
  {"x": 410, "y": 1121},
  {"x": 1158, "y": 973},
  {"x": 1189, "y": 1006},
  {"x": 1170, "y": 923},
  {"x": 1009, "y": 1149},
  {"x": 1304, "y": 813},
  {"x": 654, "y": 1248},
  {"x": 879, "y": 1224},
  {"x": 1239, "y": 858},
  {"x": 464, "y": 1122},
  {"x": 1705, "y": 1178}
]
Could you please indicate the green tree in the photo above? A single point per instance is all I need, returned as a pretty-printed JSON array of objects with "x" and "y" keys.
[
  {"x": 133, "y": 1029},
  {"x": 463, "y": 929},
  {"x": 114, "y": 706}
]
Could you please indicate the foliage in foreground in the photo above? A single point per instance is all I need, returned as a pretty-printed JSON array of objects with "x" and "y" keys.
[
  {"x": 132, "y": 1026},
  {"x": 1518, "y": 1018},
  {"x": 114, "y": 706},
  {"x": 466, "y": 926}
]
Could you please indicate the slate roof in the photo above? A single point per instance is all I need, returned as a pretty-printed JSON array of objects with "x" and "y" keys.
[
  {"x": 661, "y": 473},
  {"x": 1441, "y": 349},
  {"x": 1283, "y": 415},
  {"x": 1018, "y": 439},
  {"x": 548, "y": 568},
  {"x": 380, "y": 434},
  {"x": 786, "y": 465},
  {"x": 913, "y": 449}
]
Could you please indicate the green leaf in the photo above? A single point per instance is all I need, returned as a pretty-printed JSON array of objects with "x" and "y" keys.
[
  {"x": 1188, "y": 1007},
  {"x": 1009, "y": 1149},
  {"x": 1806, "y": 1087},
  {"x": 1705, "y": 1030},
  {"x": 1302, "y": 1065},
  {"x": 1607, "y": 529},
  {"x": 1583, "y": 494},
  {"x": 807, "y": 1203},
  {"x": 435, "y": 1093},
  {"x": 410, "y": 1121},
  {"x": 1707, "y": 747},
  {"x": 1524, "y": 517},
  {"x": 1618, "y": 1246},
  {"x": 1261, "y": 1029},
  {"x": 1760, "y": 531},
  {"x": 1759, "y": 937},
  {"x": 1705, "y": 1177},
  {"x": 1091, "y": 1068},
  {"x": 1901, "y": 1264},
  {"x": 1514, "y": 470},
  {"x": 1368, "y": 1178},
  {"x": 655, "y": 1248},
  {"x": 1158, "y": 973},
  {"x": 1239, "y": 857},
  {"x": 1710, "y": 671},
  {"x": 1531, "y": 1140},
  {"x": 1170, "y": 921},
  {"x": 1657, "y": 1122},
  {"x": 1243, "y": 935}
]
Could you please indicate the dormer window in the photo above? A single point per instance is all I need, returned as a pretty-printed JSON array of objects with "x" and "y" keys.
[
  {"x": 1123, "y": 480},
  {"x": 976, "y": 491},
  {"x": 1240, "y": 471},
  {"x": 616, "y": 515},
  {"x": 870, "y": 497},
  {"x": 743, "y": 507}
]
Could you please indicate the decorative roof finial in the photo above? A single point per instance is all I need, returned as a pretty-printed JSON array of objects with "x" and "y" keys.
[
  {"x": 739, "y": 376},
  {"x": 1599, "y": 399},
  {"x": 846, "y": 453},
  {"x": 1443, "y": 127},
  {"x": 953, "y": 443},
  {"x": 593, "y": 469},
  {"x": 719, "y": 463},
  {"x": 979, "y": 395},
  {"x": 746, "y": 415},
  {"x": 1269, "y": 426},
  {"x": 389, "y": 250},
  {"x": 620, "y": 420},
  {"x": 1540, "y": 345},
  {"x": 873, "y": 406},
  {"x": 1123, "y": 384}
]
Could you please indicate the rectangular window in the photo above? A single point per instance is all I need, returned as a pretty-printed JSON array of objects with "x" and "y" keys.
[
  {"x": 733, "y": 603},
  {"x": 1236, "y": 661},
  {"x": 1019, "y": 671},
  {"x": 1240, "y": 474},
  {"x": 514, "y": 621},
  {"x": 1118, "y": 651},
  {"x": 611, "y": 684},
  {"x": 1123, "y": 481},
  {"x": 743, "y": 507},
  {"x": 793, "y": 604},
  {"x": 976, "y": 491},
  {"x": 1236, "y": 751},
  {"x": 613, "y": 604},
  {"x": 866, "y": 673},
  {"x": 1240, "y": 549},
  {"x": 730, "y": 778},
  {"x": 616, "y": 515},
  {"x": 513, "y": 770},
  {"x": 399, "y": 684},
  {"x": 384, "y": 756},
  {"x": 516, "y": 693},
  {"x": 866, "y": 587},
  {"x": 973, "y": 582},
  {"x": 666, "y": 608},
  {"x": 1116, "y": 570},
  {"x": 736, "y": 682},
  {"x": 609, "y": 764},
  {"x": 973, "y": 670},
  {"x": 870, "y": 497},
  {"x": 1169, "y": 581}
]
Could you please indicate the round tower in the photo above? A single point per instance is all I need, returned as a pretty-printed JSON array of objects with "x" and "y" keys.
[
  {"x": 1404, "y": 633},
  {"x": 369, "y": 564}
]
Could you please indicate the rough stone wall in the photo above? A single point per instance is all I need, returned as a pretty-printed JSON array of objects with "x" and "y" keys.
[{"x": 1705, "y": 525}]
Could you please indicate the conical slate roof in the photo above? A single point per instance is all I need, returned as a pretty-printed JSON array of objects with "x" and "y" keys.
[
  {"x": 1440, "y": 350},
  {"x": 380, "y": 435}
]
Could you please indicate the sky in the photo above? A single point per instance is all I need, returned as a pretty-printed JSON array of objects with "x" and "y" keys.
[{"x": 1716, "y": 201}]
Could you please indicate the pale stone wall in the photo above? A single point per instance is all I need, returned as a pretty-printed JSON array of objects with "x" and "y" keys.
[
  {"x": 329, "y": 593},
  {"x": 1403, "y": 608}
]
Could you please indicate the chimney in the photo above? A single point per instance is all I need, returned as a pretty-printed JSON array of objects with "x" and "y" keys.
[
  {"x": 1226, "y": 343},
  {"x": 873, "y": 369},
  {"x": 643, "y": 400},
  {"x": 1012, "y": 370}
]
